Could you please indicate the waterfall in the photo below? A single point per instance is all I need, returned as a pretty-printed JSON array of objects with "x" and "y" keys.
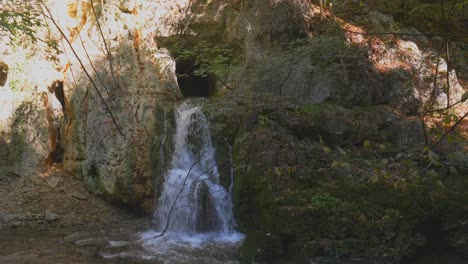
[
  {"x": 192, "y": 199},
  {"x": 196, "y": 206}
]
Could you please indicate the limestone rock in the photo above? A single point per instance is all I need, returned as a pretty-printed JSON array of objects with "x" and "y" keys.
[
  {"x": 54, "y": 182},
  {"x": 50, "y": 217},
  {"x": 79, "y": 196}
]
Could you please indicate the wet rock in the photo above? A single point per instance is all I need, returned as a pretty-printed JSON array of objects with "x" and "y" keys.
[
  {"x": 92, "y": 241},
  {"x": 50, "y": 217},
  {"x": 14, "y": 224},
  {"x": 79, "y": 196},
  {"x": 73, "y": 237},
  {"x": 7, "y": 218}
]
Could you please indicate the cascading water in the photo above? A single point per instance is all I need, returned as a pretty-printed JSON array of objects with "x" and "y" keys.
[
  {"x": 192, "y": 199},
  {"x": 193, "y": 221}
]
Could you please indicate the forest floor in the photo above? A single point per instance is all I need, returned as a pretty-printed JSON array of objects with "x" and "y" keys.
[
  {"x": 54, "y": 199},
  {"x": 50, "y": 217}
]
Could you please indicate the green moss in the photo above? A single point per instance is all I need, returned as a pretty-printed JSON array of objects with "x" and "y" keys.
[
  {"x": 324, "y": 209},
  {"x": 18, "y": 143},
  {"x": 253, "y": 199},
  {"x": 315, "y": 109}
]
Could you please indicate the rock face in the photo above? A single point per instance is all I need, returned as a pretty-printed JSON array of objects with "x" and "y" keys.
[
  {"x": 115, "y": 91},
  {"x": 323, "y": 180},
  {"x": 29, "y": 135},
  {"x": 346, "y": 68},
  {"x": 116, "y": 123},
  {"x": 107, "y": 115}
]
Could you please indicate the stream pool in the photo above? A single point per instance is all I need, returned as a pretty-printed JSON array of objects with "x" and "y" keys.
[
  {"x": 115, "y": 246},
  {"x": 124, "y": 244}
]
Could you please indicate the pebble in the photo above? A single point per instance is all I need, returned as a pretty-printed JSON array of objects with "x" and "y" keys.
[
  {"x": 53, "y": 182},
  {"x": 79, "y": 196},
  {"x": 73, "y": 237}
]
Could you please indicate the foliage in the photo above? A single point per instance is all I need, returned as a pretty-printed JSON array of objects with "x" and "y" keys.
[
  {"x": 324, "y": 201},
  {"x": 18, "y": 131},
  {"x": 19, "y": 73},
  {"x": 427, "y": 16},
  {"x": 21, "y": 21},
  {"x": 209, "y": 59}
]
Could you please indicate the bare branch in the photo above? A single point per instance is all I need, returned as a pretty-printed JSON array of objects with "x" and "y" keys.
[
  {"x": 168, "y": 220},
  {"x": 84, "y": 69},
  {"x": 450, "y": 130},
  {"x": 91, "y": 63},
  {"x": 109, "y": 54}
]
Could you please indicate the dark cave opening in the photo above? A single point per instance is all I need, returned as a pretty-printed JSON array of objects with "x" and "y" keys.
[
  {"x": 57, "y": 153},
  {"x": 191, "y": 84},
  {"x": 433, "y": 242}
]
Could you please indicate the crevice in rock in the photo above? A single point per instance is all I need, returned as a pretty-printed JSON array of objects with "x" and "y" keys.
[
  {"x": 3, "y": 73},
  {"x": 55, "y": 136},
  {"x": 57, "y": 153},
  {"x": 56, "y": 88}
]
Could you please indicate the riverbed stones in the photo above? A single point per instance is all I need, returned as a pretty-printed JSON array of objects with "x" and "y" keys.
[{"x": 50, "y": 216}]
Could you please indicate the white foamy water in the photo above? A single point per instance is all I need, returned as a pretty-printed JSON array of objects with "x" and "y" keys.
[
  {"x": 192, "y": 199},
  {"x": 194, "y": 209}
]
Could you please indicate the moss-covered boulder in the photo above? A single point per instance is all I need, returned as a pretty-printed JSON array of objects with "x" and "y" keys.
[{"x": 323, "y": 180}]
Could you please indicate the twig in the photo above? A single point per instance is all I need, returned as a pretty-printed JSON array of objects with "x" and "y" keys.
[
  {"x": 450, "y": 130},
  {"x": 284, "y": 81},
  {"x": 430, "y": 34},
  {"x": 441, "y": 109},
  {"x": 71, "y": 69},
  {"x": 109, "y": 54},
  {"x": 91, "y": 63},
  {"x": 223, "y": 82},
  {"x": 83, "y": 67},
  {"x": 181, "y": 23},
  {"x": 169, "y": 215}
]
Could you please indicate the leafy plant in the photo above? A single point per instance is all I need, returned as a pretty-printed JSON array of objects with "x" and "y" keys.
[
  {"x": 324, "y": 201},
  {"x": 21, "y": 21},
  {"x": 217, "y": 60}
]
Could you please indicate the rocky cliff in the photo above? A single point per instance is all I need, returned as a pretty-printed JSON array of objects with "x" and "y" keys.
[{"x": 104, "y": 111}]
